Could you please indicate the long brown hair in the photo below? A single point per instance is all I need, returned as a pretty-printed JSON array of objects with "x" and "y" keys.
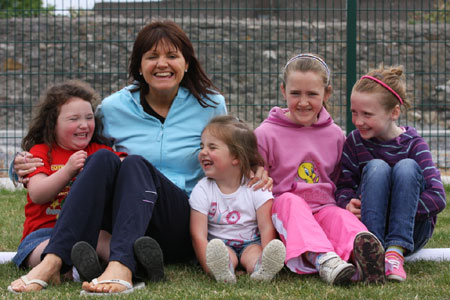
[
  {"x": 195, "y": 79},
  {"x": 43, "y": 126},
  {"x": 240, "y": 139}
]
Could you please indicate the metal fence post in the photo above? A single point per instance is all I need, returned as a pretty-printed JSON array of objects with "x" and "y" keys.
[{"x": 351, "y": 58}]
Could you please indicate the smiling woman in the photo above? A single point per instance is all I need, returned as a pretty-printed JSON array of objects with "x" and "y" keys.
[
  {"x": 162, "y": 68},
  {"x": 158, "y": 121}
]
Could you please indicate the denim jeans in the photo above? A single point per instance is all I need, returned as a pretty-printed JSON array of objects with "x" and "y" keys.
[{"x": 389, "y": 199}]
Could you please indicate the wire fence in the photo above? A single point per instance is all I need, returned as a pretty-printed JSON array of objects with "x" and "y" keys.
[{"x": 242, "y": 44}]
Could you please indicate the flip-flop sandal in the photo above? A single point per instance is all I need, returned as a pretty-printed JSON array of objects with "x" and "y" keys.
[
  {"x": 129, "y": 287},
  {"x": 85, "y": 259},
  {"x": 28, "y": 282}
]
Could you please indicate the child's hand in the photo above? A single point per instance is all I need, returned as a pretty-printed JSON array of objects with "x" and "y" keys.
[
  {"x": 76, "y": 162},
  {"x": 260, "y": 180},
  {"x": 354, "y": 206}
]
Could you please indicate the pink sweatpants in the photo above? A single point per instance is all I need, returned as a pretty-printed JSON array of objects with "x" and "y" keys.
[{"x": 330, "y": 229}]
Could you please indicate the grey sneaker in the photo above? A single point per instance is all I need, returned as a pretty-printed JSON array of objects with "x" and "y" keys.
[
  {"x": 333, "y": 270},
  {"x": 218, "y": 261},
  {"x": 270, "y": 262}
]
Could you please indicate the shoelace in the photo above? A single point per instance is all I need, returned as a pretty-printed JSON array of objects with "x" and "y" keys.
[
  {"x": 395, "y": 263},
  {"x": 333, "y": 262}
]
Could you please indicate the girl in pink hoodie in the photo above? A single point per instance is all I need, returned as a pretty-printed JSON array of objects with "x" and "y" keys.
[{"x": 302, "y": 148}]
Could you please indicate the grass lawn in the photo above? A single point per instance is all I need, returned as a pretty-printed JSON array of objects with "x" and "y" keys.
[{"x": 426, "y": 280}]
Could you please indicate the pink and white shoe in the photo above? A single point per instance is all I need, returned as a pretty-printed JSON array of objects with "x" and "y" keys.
[{"x": 394, "y": 267}]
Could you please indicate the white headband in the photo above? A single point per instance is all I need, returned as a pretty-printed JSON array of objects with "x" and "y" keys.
[{"x": 310, "y": 56}]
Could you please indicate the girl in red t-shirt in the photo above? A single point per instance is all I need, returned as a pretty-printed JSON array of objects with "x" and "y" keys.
[{"x": 63, "y": 134}]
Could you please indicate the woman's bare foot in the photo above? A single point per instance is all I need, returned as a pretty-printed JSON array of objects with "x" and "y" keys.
[
  {"x": 114, "y": 270},
  {"x": 47, "y": 271}
]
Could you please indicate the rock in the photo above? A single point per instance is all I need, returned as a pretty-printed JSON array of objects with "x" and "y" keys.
[{"x": 12, "y": 65}]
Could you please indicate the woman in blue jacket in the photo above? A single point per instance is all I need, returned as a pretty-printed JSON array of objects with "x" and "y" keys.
[{"x": 142, "y": 201}]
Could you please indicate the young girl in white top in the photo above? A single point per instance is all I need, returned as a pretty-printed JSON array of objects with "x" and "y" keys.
[{"x": 230, "y": 222}]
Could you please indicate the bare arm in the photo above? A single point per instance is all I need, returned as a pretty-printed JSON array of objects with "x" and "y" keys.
[
  {"x": 199, "y": 234},
  {"x": 265, "y": 225},
  {"x": 43, "y": 188}
]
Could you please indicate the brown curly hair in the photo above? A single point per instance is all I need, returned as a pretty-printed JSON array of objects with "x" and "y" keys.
[{"x": 43, "y": 126}]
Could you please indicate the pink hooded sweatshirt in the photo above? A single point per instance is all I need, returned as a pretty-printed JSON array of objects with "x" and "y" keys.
[{"x": 302, "y": 160}]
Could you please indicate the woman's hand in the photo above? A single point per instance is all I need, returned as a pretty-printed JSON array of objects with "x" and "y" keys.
[
  {"x": 260, "y": 180},
  {"x": 24, "y": 164}
]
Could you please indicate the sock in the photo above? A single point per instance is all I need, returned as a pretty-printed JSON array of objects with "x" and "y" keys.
[
  {"x": 313, "y": 258},
  {"x": 230, "y": 265},
  {"x": 75, "y": 275},
  {"x": 394, "y": 250},
  {"x": 257, "y": 264}
]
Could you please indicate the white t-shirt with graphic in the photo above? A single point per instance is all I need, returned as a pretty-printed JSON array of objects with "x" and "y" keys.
[{"x": 231, "y": 217}]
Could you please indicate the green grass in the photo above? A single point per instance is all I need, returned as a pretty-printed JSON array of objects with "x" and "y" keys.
[{"x": 426, "y": 280}]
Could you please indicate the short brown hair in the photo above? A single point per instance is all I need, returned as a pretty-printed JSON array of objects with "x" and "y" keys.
[{"x": 240, "y": 139}]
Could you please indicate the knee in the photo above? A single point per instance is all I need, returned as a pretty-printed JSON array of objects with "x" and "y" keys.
[
  {"x": 104, "y": 153},
  {"x": 103, "y": 157},
  {"x": 378, "y": 165},
  {"x": 288, "y": 197},
  {"x": 407, "y": 168},
  {"x": 406, "y": 165},
  {"x": 290, "y": 201},
  {"x": 377, "y": 168},
  {"x": 133, "y": 160}
]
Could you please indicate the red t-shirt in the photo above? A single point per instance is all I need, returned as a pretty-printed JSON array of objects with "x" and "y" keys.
[{"x": 44, "y": 215}]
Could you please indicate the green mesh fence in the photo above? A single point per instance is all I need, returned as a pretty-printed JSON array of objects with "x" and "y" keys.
[{"x": 242, "y": 45}]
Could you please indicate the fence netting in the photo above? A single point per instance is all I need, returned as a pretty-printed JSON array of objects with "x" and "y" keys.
[{"x": 242, "y": 45}]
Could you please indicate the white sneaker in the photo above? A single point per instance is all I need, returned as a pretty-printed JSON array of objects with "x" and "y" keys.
[
  {"x": 218, "y": 261},
  {"x": 271, "y": 261},
  {"x": 333, "y": 270}
]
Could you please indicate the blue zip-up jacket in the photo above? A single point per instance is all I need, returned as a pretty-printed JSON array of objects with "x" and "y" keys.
[{"x": 171, "y": 147}]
